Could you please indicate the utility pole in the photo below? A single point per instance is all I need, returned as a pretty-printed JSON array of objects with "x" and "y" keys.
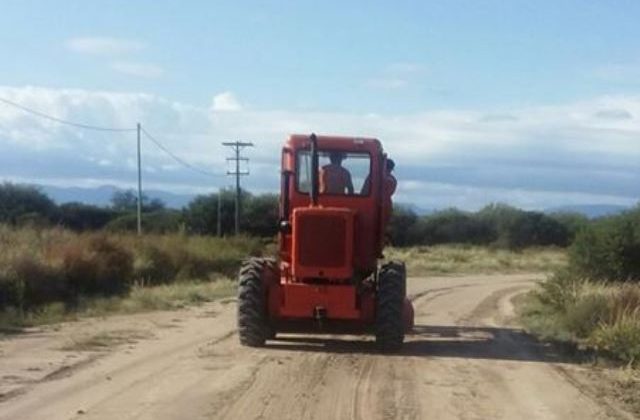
[
  {"x": 237, "y": 147},
  {"x": 139, "y": 185}
]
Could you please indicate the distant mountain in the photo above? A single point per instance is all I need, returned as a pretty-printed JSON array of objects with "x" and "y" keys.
[
  {"x": 590, "y": 210},
  {"x": 101, "y": 196}
]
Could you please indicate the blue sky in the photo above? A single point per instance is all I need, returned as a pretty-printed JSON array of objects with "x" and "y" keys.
[{"x": 532, "y": 103}]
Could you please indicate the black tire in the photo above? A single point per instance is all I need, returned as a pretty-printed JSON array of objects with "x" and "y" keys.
[
  {"x": 253, "y": 322},
  {"x": 389, "y": 327}
]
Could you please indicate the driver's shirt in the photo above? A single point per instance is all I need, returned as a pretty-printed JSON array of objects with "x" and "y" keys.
[{"x": 334, "y": 179}]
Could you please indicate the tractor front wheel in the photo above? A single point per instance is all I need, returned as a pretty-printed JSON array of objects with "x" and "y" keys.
[
  {"x": 253, "y": 322},
  {"x": 392, "y": 288}
]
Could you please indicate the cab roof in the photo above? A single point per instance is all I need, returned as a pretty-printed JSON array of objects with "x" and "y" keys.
[{"x": 301, "y": 141}]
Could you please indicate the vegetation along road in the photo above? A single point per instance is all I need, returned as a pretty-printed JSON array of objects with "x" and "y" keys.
[{"x": 465, "y": 361}]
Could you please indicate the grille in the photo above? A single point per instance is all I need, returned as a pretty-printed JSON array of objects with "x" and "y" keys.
[{"x": 321, "y": 241}]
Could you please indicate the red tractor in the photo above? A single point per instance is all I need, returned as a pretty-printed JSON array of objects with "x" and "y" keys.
[{"x": 332, "y": 234}]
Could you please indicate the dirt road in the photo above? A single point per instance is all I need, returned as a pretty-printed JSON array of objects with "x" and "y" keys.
[{"x": 465, "y": 361}]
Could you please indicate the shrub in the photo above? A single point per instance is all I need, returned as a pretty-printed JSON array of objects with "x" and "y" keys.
[
  {"x": 40, "y": 282},
  {"x": 625, "y": 300},
  {"x": 161, "y": 221},
  {"x": 560, "y": 290},
  {"x": 99, "y": 267},
  {"x": 585, "y": 314},
  {"x": 621, "y": 338},
  {"x": 601, "y": 315},
  {"x": 81, "y": 217},
  {"x": 609, "y": 250},
  {"x": 16, "y": 201},
  {"x": 455, "y": 226},
  {"x": 402, "y": 227},
  {"x": 153, "y": 266},
  {"x": 40, "y": 266}
]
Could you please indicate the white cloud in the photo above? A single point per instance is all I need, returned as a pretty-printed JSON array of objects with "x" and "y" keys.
[
  {"x": 536, "y": 156},
  {"x": 104, "y": 45},
  {"x": 145, "y": 70},
  {"x": 225, "y": 101}
]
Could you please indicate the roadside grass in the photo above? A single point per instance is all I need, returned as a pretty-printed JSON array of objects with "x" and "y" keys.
[
  {"x": 590, "y": 322},
  {"x": 52, "y": 275},
  {"x": 46, "y": 273},
  {"x": 140, "y": 299},
  {"x": 465, "y": 259},
  {"x": 597, "y": 317}
]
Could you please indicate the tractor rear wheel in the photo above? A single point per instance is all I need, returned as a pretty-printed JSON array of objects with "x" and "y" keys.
[
  {"x": 389, "y": 327},
  {"x": 253, "y": 322}
]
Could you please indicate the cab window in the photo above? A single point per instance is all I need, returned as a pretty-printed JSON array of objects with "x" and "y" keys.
[{"x": 340, "y": 173}]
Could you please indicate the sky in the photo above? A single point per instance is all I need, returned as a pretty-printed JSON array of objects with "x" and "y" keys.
[{"x": 536, "y": 104}]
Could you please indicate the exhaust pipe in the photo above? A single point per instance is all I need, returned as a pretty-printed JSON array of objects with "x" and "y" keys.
[{"x": 313, "y": 191}]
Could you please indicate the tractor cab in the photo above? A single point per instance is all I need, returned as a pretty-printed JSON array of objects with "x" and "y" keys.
[{"x": 331, "y": 207}]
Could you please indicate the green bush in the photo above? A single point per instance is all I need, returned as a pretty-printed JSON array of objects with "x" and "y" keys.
[
  {"x": 560, "y": 290},
  {"x": 24, "y": 204},
  {"x": 81, "y": 217},
  {"x": 587, "y": 313},
  {"x": 161, "y": 221},
  {"x": 455, "y": 226},
  {"x": 497, "y": 225},
  {"x": 609, "y": 249},
  {"x": 517, "y": 229}
]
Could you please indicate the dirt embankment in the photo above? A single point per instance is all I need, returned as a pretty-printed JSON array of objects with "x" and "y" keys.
[{"x": 465, "y": 361}]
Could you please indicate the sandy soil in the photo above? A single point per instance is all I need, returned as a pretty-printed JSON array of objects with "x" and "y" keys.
[{"x": 465, "y": 361}]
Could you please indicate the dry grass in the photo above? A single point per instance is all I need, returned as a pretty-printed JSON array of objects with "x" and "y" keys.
[
  {"x": 49, "y": 275},
  {"x": 140, "y": 299},
  {"x": 453, "y": 259},
  {"x": 42, "y": 266},
  {"x": 600, "y": 316}
]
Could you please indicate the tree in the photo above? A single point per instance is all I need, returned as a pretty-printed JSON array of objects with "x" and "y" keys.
[
  {"x": 201, "y": 214},
  {"x": 124, "y": 201},
  {"x": 402, "y": 226},
  {"x": 23, "y": 203},
  {"x": 609, "y": 248},
  {"x": 536, "y": 229},
  {"x": 162, "y": 221},
  {"x": 455, "y": 226},
  {"x": 260, "y": 215},
  {"x": 127, "y": 201},
  {"x": 79, "y": 216}
]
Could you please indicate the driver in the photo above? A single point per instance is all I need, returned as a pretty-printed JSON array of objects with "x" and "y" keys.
[{"x": 334, "y": 178}]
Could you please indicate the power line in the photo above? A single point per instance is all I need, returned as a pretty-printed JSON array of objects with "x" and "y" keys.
[
  {"x": 112, "y": 129},
  {"x": 176, "y": 158},
  {"x": 62, "y": 121},
  {"x": 137, "y": 129}
]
